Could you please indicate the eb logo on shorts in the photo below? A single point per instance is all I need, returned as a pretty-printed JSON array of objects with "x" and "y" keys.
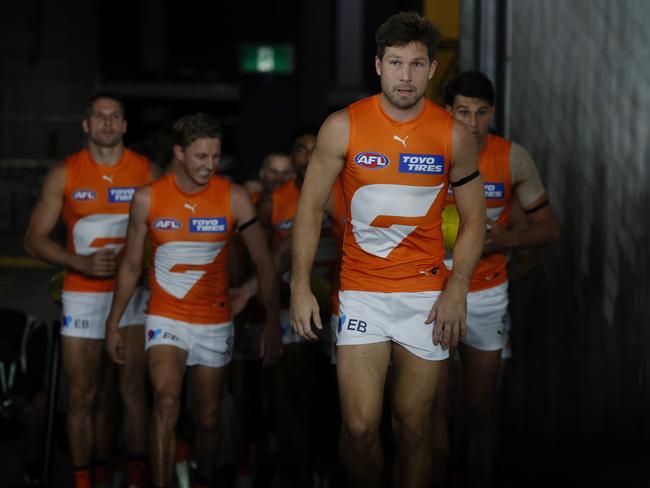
[
  {"x": 154, "y": 334},
  {"x": 352, "y": 324},
  {"x": 208, "y": 225},
  {"x": 69, "y": 321},
  {"x": 426, "y": 164}
]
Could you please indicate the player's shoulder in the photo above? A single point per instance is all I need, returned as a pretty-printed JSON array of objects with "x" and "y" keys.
[{"x": 520, "y": 158}]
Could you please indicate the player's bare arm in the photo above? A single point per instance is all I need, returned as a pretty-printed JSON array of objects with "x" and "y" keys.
[
  {"x": 325, "y": 165},
  {"x": 45, "y": 215},
  {"x": 450, "y": 310},
  {"x": 252, "y": 234},
  {"x": 129, "y": 271},
  {"x": 264, "y": 209},
  {"x": 543, "y": 228}
]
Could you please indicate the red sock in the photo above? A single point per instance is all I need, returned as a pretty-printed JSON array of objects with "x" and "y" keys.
[
  {"x": 102, "y": 473},
  {"x": 136, "y": 472},
  {"x": 182, "y": 451},
  {"x": 82, "y": 478}
]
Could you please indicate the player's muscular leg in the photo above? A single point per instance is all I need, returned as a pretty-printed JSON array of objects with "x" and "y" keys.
[
  {"x": 440, "y": 443},
  {"x": 106, "y": 405},
  {"x": 361, "y": 371},
  {"x": 133, "y": 388},
  {"x": 414, "y": 384},
  {"x": 82, "y": 360},
  {"x": 480, "y": 376},
  {"x": 206, "y": 385},
  {"x": 166, "y": 369}
]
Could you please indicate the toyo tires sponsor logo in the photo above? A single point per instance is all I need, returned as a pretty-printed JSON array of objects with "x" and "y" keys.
[
  {"x": 371, "y": 160},
  {"x": 121, "y": 194},
  {"x": 428, "y": 164},
  {"x": 208, "y": 224},
  {"x": 494, "y": 191}
]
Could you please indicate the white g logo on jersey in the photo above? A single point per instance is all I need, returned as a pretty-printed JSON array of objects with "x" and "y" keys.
[
  {"x": 397, "y": 201},
  {"x": 187, "y": 257},
  {"x": 98, "y": 231}
]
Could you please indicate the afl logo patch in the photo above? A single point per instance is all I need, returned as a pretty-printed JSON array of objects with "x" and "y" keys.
[
  {"x": 83, "y": 195},
  {"x": 371, "y": 160},
  {"x": 167, "y": 224}
]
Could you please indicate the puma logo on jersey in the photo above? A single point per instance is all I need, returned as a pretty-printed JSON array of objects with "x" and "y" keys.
[
  {"x": 399, "y": 139},
  {"x": 190, "y": 207},
  {"x": 430, "y": 164},
  {"x": 108, "y": 178}
]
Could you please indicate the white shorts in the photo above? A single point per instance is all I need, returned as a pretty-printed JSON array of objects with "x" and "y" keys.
[
  {"x": 370, "y": 317},
  {"x": 84, "y": 314},
  {"x": 206, "y": 344},
  {"x": 487, "y": 314},
  {"x": 289, "y": 336}
]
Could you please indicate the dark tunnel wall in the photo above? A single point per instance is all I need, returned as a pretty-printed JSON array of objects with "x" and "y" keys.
[{"x": 580, "y": 104}]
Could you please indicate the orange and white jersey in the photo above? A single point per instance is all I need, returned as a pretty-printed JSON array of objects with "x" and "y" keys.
[
  {"x": 394, "y": 183},
  {"x": 338, "y": 228},
  {"x": 285, "y": 204},
  {"x": 189, "y": 238},
  {"x": 96, "y": 209},
  {"x": 494, "y": 165}
]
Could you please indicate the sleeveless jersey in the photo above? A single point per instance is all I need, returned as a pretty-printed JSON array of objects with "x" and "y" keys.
[
  {"x": 96, "y": 209},
  {"x": 189, "y": 239},
  {"x": 394, "y": 183},
  {"x": 494, "y": 164},
  {"x": 285, "y": 204}
]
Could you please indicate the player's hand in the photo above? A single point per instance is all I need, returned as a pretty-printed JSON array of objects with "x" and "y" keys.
[
  {"x": 114, "y": 344},
  {"x": 239, "y": 297},
  {"x": 271, "y": 343},
  {"x": 450, "y": 316},
  {"x": 303, "y": 312},
  {"x": 496, "y": 237},
  {"x": 100, "y": 264}
]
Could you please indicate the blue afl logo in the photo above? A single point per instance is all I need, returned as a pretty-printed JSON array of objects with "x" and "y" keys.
[{"x": 371, "y": 160}]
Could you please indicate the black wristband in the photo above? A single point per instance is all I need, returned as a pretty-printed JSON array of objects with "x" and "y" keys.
[
  {"x": 538, "y": 207},
  {"x": 467, "y": 179},
  {"x": 245, "y": 225}
]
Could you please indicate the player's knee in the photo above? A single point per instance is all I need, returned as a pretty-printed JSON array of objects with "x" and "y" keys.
[
  {"x": 360, "y": 434},
  {"x": 208, "y": 418},
  {"x": 166, "y": 407},
  {"x": 81, "y": 397},
  {"x": 133, "y": 389},
  {"x": 410, "y": 431},
  {"x": 481, "y": 409}
]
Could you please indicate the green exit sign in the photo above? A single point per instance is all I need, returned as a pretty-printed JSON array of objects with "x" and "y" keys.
[{"x": 267, "y": 58}]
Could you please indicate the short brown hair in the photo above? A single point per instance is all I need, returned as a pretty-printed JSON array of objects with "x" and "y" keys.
[
  {"x": 189, "y": 128},
  {"x": 405, "y": 27}
]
